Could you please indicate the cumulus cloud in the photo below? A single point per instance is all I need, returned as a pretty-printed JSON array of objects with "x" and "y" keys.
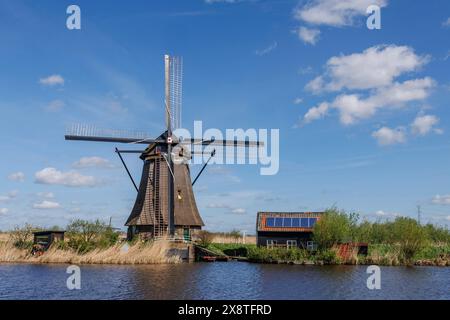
[
  {"x": 441, "y": 199},
  {"x": 424, "y": 124},
  {"x": 88, "y": 162},
  {"x": 46, "y": 205},
  {"x": 308, "y": 35},
  {"x": 375, "y": 67},
  {"x": 335, "y": 13},
  {"x": 316, "y": 112},
  {"x": 4, "y": 211},
  {"x": 9, "y": 196},
  {"x": 52, "y": 80},
  {"x": 371, "y": 76},
  {"x": 387, "y": 136},
  {"x": 17, "y": 176},
  {"x": 69, "y": 179}
]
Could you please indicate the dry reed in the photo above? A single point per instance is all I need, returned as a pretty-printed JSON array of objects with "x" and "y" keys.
[{"x": 150, "y": 253}]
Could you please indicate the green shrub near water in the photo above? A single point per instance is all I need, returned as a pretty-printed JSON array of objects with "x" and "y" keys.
[
  {"x": 85, "y": 236},
  {"x": 269, "y": 255}
]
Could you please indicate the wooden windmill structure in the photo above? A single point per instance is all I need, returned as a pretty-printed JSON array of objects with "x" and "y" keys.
[{"x": 165, "y": 203}]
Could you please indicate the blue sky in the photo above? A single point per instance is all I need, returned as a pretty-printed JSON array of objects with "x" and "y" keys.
[{"x": 363, "y": 114}]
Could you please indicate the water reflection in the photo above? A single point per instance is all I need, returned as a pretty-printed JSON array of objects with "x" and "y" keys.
[{"x": 232, "y": 280}]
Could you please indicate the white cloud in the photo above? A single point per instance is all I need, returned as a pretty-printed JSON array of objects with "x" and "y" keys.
[
  {"x": 298, "y": 100},
  {"x": 87, "y": 162},
  {"x": 375, "y": 67},
  {"x": 55, "y": 106},
  {"x": 69, "y": 179},
  {"x": 444, "y": 199},
  {"x": 46, "y": 205},
  {"x": 17, "y": 176},
  {"x": 316, "y": 112},
  {"x": 309, "y": 36},
  {"x": 218, "y": 206},
  {"x": 4, "y": 211},
  {"x": 336, "y": 13},
  {"x": 316, "y": 85},
  {"x": 386, "y": 136},
  {"x": 52, "y": 80},
  {"x": 267, "y": 50},
  {"x": 239, "y": 211},
  {"x": 447, "y": 218},
  {"x": 381, "y": 213},
  {"x": 422, "y": 125},
  {"x": 9, "y": 196},
  {"x": 446, "y": 23},
  {"x": 371, "y": 74},
  {"x": 48, "y": 195}
]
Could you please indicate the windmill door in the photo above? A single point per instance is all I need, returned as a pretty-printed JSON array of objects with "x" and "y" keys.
[{"x": 186, "y": 234}]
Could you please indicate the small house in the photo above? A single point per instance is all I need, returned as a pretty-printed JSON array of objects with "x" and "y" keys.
[{"x": 286, "y": 229}]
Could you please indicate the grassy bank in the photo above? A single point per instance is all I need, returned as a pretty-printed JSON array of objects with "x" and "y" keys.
[
  {"x": 384, "y": 255},
  {"x": 139, "y": 253}
]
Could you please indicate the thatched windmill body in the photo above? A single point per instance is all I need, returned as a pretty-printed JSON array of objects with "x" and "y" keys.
[{"x": 165, "y": 203}]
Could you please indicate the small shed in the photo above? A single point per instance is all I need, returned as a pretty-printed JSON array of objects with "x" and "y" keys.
[{"x": 46, "y": 238}]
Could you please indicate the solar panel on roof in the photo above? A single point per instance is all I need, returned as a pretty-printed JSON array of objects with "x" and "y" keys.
[
  {"x": 296, "y": 222},
  {"x": 304, "y": 223},
  {"x": 270, "y": 222},
  {"x": 312, "y": 222},
  {"x": 278, "y": 222},
  {"x": 287, "y": 222}
]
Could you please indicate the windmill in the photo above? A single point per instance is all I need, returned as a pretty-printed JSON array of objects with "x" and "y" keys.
[{"x": 165, "y": 203}]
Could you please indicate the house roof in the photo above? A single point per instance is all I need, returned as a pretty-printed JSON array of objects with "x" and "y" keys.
[{"x": 287, "y": 221}]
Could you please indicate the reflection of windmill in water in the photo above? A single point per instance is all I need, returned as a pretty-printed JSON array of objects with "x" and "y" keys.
[{"x": 165, "y": 204}]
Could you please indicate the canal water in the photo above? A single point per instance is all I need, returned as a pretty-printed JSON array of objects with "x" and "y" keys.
[{"x": 232, "y": 280}]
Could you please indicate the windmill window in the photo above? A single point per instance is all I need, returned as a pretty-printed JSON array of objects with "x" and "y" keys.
[{"x": 179, "y": 196}]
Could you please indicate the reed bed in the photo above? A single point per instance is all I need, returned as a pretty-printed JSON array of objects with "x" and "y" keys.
[{"x": 149, "y": 253}]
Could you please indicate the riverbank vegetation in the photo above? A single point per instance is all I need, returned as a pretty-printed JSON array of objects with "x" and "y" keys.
[
  {"x": 402, "y": 241},
  {"x": 87, "y": 242}
]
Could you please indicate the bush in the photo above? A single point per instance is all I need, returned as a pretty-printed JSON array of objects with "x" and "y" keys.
[
  {"x": 269, "y": 255},
  {"x": 22, "y": 237},
  {"x": 327, "y": 256},
  {"x": 85, "y": 235},
  {"x": 409, "y": 235},
  {"x": 205, "y": 238},
  {"x": 334, "y": 227}
]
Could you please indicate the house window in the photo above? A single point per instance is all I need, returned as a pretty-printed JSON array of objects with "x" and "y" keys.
[
  {"x": 311, "y": 246},
  {"x": 291, "y": 244},
  {"x": 271, "y": 243}
]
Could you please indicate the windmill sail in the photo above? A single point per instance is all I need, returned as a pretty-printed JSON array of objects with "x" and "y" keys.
[{"x": 174, "y": 91}]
